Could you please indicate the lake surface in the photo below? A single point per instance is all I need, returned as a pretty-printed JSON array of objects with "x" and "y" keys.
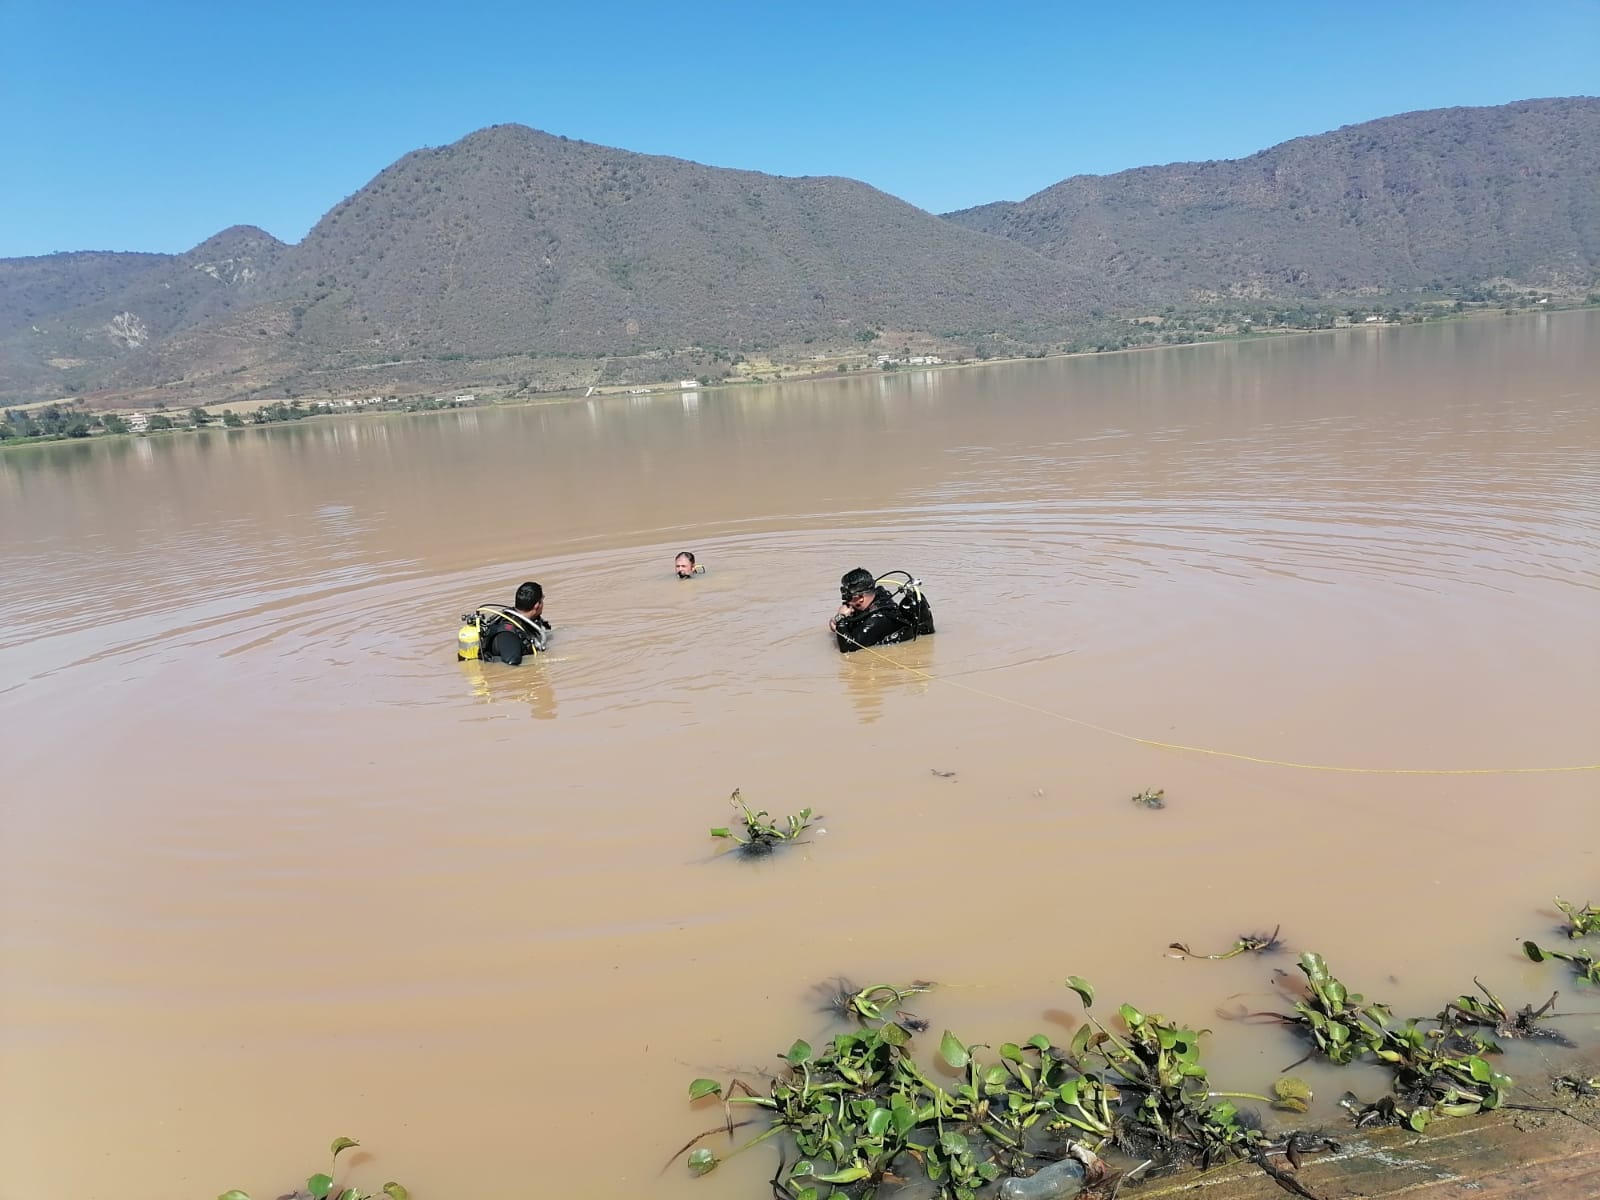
[{"x": 276, "y": 868}]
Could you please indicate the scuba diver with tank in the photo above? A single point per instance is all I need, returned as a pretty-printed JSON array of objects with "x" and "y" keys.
[
  {"x": 873, "y": 611},
  {"x": 494, "y": 632},
  {"x": 879, "y": 612}
]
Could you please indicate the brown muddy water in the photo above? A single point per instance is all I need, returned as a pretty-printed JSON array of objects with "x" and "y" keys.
[{"x": 276, "y": 868}]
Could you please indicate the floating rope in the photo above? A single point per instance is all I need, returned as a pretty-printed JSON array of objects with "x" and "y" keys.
[{"x": 1230, "y": 754}]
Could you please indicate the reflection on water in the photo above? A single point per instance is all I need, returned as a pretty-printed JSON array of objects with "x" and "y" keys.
[
  {"x": 873, "y": 675},
  {"x": 526, "y": 686},
  {"x": 275, "y": 868}
]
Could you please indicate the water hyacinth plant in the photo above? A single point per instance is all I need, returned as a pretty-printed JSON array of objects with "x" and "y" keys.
[
  {"x": 862, "y": 1111},
  {"x": 1583, "y": 962},
  {"x": 1246, "y": 943},
  {"x": 1581, "y": 922},
  {"x": 1437, "y": 1072},
  {"x": 1491, "y": 1012},
  {"x": 876, "y": 1003},
  {"x": 321, "y": 1186},
  {"x": 761, "y": 834},
  {"x": 1151, "y": 798}
]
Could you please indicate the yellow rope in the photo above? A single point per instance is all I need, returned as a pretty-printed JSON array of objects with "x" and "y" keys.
[{"x": 1250, "y": 758}]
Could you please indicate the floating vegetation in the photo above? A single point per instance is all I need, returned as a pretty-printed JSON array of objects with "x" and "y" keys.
[
  {"x": 874, "y": 1003},
  {"x": 1342, "y": 1025},
  {"x": 862, "y": 1112},
  {"x": 1583, "y": 962},
  {"x": 1581, "y": 922},
  {"x": 942, "y": 774},
  {"x": 1151, "y": 798},
  {"x": 1492, "y": 1013},
  {"x": 1247, "y": 943},
  {"x": 1034, "y": 1117},
  {"x": 762, "y": 835},
  {"x": 1437, "y": 1072},
  {"x": 1291, "y": 1094},
  {"x": 321, "y": 1185}
]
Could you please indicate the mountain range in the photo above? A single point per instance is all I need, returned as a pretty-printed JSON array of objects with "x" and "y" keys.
[{"x": 516, "y": 257}]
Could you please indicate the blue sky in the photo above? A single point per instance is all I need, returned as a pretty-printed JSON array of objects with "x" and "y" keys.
[{"x": 152, "y": 125}]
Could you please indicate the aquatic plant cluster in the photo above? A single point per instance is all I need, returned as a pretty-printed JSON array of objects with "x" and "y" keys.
[
  {"x": 862, "y": 1111},
  {"x": 1036, "y": 1117},
  {"x": 761, "y": 834},
  {"x": 1581, "y": 922},
  {"x": 321, "y": 1186}
]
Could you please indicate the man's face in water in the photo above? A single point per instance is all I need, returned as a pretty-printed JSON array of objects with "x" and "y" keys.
[
  {"x": 860, "y": 602},
  {"x": 683, "y": 566}
]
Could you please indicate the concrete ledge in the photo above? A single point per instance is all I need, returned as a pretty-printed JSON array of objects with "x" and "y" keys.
[{"x": 1498, "y": 1156}]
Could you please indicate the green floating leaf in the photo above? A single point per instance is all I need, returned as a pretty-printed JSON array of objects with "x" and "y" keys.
[
  {"x": 952, "y": 1051},
  {"x": 1533, "y": 952},
  {"x": 1084, "y": 989},
  {"x": 319, "y": 1186},
  {"x": 1081, "y": 1040},
  {"x": 341, "y": 1144},
  {"x": 1291, "y": 1104},
  {"x": 704, "y": 1087},
  {"x": 235, "y": 1194},
  {"x": 1291, "y": 1087},
  {"x": 953, "y": 1142},
  {"x": 1419, "y": 1119},
  {"x": 894, "y": 1034},
  {"x": 798, "y": 1053},
  {"x": 395, "y": 1192},
  {"x": 702, "y": 1161},
  {"x": 721, "y": 831},
  {"x": 878, "y": 1123}
]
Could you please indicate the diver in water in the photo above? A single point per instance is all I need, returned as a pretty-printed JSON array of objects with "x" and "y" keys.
[
  {"x": 684, "y": 565},
  {"x": 871, "y": 615},
  {"x": 508, "y": 635}
]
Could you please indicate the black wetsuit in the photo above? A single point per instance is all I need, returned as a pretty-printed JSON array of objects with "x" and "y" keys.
[
  {"x": 509, "y": 639},
  {"x": 882, "y": 623}
]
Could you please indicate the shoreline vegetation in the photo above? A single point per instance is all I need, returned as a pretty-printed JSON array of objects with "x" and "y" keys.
[
  {"x": 883, "y": 352},
  {"x": 866, "y": 1109}
]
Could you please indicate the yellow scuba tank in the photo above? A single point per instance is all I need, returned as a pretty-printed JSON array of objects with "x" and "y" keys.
[{"x": 467, "y": 641}]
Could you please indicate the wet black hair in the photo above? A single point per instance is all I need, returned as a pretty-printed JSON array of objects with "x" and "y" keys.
[
  {"x": 528, "y": 595},
  {"x": 689, "y": 554},
  {"x": 853, "y": 583}
]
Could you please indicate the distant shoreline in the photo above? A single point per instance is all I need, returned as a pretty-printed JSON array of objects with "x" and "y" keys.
[{"x": 337, "y": 406}]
